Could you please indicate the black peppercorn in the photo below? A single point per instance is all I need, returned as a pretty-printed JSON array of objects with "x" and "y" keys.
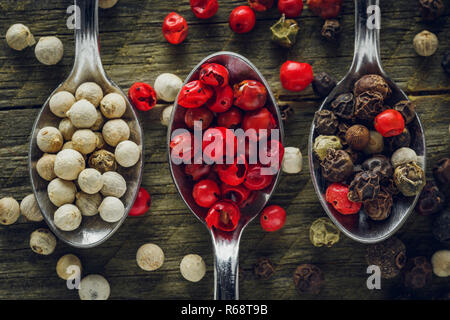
[
  {"x": 341, "y": 131},
  {"x": 331, "y": 29},
  {"x": 286, "y": 112},
  {"x": 389, "y": 255},
  {"x": 364, "y": 187},
  {"x": 380, "y": 165},
  {"x": 355, "y": 155},
  {"x": 344, "y": 106},
  {"x": 322, "y": 84},
  {"x": 441, "y": 171},
  {"x": 308, "y": 278},
  {"x": 380, "y": 208},
  {"x": 264, "y": 269},
  {"x": 398, "y": 141},
  {"x": 446, "y": 62},
  {"x": 417, "y": 273},
  {"x": 441, "y": 227},
  {"x": 326, "y": 122},
  {"x": 431, "y": 9},
  {"x": 407, "y": 109},
  {"x": 337, "y": 166},
  {"x": 368, "y": 105},
  {"x": 431, "y": 200},
  {"x": 372, "y": 83},
  {"x": 389, "y": 186}
]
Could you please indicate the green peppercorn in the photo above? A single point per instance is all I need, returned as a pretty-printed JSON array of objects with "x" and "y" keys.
[
  {"x": 323, "y": 143},
  {"x": 284, "y": 32},
  {"x": 323, "y": 233}
]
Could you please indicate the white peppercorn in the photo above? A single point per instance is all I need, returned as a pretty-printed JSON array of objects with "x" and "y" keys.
[
  {"x": 94, "y": 287},
  {"x": 61, "y": 191},
  {"x": 150, "y": 257},
  {"x": 114, "y": 185},
  {"x": 292, "y": 160},
  {"x": 84, "y": 141},
  {"x": 49, "y": 139},
  {"x": 441, "y": 263},
  {"x": 425, "y": 43},
  {"x": 9, "y": 211},
  {"x": 68, "y": 164},
  {"x": 45, "y": 165},
  {"x": 99, "y": 121},
  {"x": 192, "y": 267},
  {"x": 42, "y": 241},
  {"x": 100, "y": 142},
  {"x": 113, "y": 105},
  {"x": 91, "y": 92},
  {"x": 68, "y": 145},
  {"x": 60, "y": 103},
  {"x": 165, "y": 115},
  {"x": 127, "y": 153},
  {"x": 67, "y": 129},
  {"x": 111, "y": 209},
  {"x": 49, "y": 50},
  {"x": 167, "y": 86},
  {"x": 376, "y": 143},
  {"x": 106, "y": 4},
  {"x": 82, "y": 114},
  {"x": 88, "y": 203},
  {"x": 67, "y": 217},
  {"x": 402, "y": 156},
  {"x": 30, "y": 209},
  {"x": 65, "y": 264},
  {"x": 90, "y": 181},
  {"x": 19, "y": 37},
  {"x": 115, "y": 131}
]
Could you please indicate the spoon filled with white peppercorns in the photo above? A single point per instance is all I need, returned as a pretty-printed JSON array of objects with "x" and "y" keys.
[
  {"x": 85, "y": 156},
  {"x": 366, "y": 145}
]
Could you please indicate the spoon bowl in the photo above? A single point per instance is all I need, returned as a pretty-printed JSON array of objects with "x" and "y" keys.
[
  {"x": 87, "y": 68},
  {"x": 366, "y": 60},
  {"x": 226, "y": 244}
]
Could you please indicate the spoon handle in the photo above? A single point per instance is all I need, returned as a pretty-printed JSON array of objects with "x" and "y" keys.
[
  {"x": 226, "y": 268},
  {"x": 367, "y": 37}
]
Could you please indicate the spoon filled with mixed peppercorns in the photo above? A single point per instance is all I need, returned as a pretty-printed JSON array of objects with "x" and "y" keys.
[
  {"x": 366, "y": 146},
  {"x": 225, "y": 146}
]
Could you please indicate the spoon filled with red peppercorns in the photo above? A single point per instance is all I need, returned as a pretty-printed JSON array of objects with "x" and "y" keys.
[
  {"x": 225, "y": 146},
  {"x": 366, "y": 145}
]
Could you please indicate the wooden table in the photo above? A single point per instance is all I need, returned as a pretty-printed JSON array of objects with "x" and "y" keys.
[{"x": 133, "y": 49}]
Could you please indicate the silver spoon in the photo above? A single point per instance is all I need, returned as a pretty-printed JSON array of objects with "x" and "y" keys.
[
  {"x": 226, "y": 244},
  {"x": 366, "y": 60},
  {"x": 87, "y": 67}
]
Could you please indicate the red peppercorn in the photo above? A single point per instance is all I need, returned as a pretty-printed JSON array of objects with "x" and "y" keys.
[
  {"x": 273, "y": 218},
  {"x": 175, "y": 28},
  {"x": 255, "y": 180},
  {"x": 213, "y": 138},
  {"x": 274, "y": 151},
  {"x": 259, "y": 119},
  {"x": 222, "y": 100},
  {"x": 198, "y": 114},
  {"x": 296, "y": 76},
  {"x": 250, "y": 95},
  {"x": 238, "y": 194},
  {"x": 204, "y": 9},
  {"x": 197, "y": 171},
  {"x": 206, "y": 193},
  {"x": 194, "y": 94},
  {"x": 233, "y": 174},
  {"x": 260, "y": 5},
  {"x": 327, "y": 9},
  {"x": 290, "y": 8},
  {"x": 182, "y": 147},
  {"x": 224, "y": 215},
  {"x": 389, "y": 123},
  {"x": 141, "y": 204},
  {"x": 230, "y": 119},
  {"x": 242, "y": 19},
  {"x": 142, "y": 96},
  {"x": 214, "y": 74},
  {"x": 336, "y": 194}
]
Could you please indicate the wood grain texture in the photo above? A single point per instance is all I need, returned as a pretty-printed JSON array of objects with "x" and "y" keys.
[{"x": 133, "y": 49}]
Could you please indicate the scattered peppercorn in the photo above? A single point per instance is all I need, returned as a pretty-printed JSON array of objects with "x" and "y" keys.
[
  {"x": 441, "y": 171},
  {"x": 284, "y": 32},
  {"x": 417, "y": 273},
  {"x": 326, "y": 122},
  {"x": 323, "y": 233},
  {"x": 264, "y": 269},
  {"x": 441, "y": 263},
  {"x": 322, "y": 84},
  {"x": 431, "y": 9},
  {"x": 441, "y": 227},
  {"x": 389, "y": 255},
  {"x": 337, "y": 166},
  {"x": 344, "y": 106},
  {"x": 431, "y": 200},
  {"x": 425, "y": 43},
  {"x": 331, "y": 29},
  {"x": 308, "y": 278}
]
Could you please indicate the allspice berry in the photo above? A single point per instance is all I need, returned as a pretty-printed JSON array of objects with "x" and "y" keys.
[
  {"x": 264, "y": 269},
  {"x": 389, "y": 255},
  {"x": 372, "y": 83},
  {"x": 323, "y": 233},
  {"x": 9, "y": 211},
  {"x": 326, "y": 122},
  {"x": 417, "y": 273},
  {"x": 425, "y": 43},
  {"x": 357, "y": 137},
  {"x": 42, "y": 241},
  {"x": 308, "y": 278},
  {"x": 192, "y": 267},
  {"x": 67, "y": 265},
  {"x": 150, "y": 257}
]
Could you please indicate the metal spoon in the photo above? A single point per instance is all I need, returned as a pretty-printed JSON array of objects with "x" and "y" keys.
[
  {"x": 87, "y": 67},
  {"x": 366, "y": 60},
  {"x": 226, "y": 244}
]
